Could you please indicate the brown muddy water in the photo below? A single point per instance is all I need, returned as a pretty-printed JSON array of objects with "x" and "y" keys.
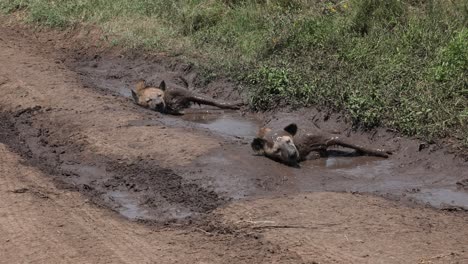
[
  {"x": 240, "y": 175},
  {"x": 222, "y": 122}
]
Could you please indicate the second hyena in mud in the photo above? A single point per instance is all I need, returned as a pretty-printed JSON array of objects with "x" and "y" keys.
[
  {"x": 172, "y": 100},
  {"x": 287, "y": 147}
]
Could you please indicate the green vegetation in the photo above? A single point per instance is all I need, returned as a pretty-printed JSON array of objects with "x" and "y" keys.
[{"x": 397, "y": 63}]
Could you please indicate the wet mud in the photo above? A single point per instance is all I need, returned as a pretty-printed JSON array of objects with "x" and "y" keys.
[
  {"x": 138, "y": 189},
  {"x": 178, "y": 184},
  {"x": 410, "y": 175}
]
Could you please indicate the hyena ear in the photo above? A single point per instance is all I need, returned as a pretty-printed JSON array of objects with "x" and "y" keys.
[
  {"x": 162, "y": 85},
  {"x": 135, "y": 96},
  {"x": 257, "y": 145},
  {"x": 141, "y": 85},
  {"x": 291, "y": 129}
]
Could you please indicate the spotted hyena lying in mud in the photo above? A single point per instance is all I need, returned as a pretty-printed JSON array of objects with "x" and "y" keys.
[
  {"x": 172, "y": 100},
  {"x": 287, "y": 147}
]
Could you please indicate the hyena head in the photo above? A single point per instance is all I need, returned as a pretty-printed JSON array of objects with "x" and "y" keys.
[
  {"x": 277, "y": 145},
  {"x": 150, "y": 97}
]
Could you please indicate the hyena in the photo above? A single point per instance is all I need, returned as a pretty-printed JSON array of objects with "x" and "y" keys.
[
  {"x": 286, "y": 146},
  {"x": 172, "y": 100}
]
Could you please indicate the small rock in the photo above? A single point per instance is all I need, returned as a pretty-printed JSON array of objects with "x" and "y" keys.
[
  {"x": 423, "y": 146},
  {"x": 20, "y": 190}
]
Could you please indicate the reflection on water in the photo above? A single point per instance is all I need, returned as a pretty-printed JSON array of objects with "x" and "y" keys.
[
  {"x": 129, "y": 207},
  {"x": 219, "y": 121},
  {"x": 443, "y": 197},
  {"x": 223, "y": 122}
]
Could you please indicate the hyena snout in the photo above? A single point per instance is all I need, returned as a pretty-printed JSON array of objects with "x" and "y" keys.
[
  {"x": 156, "y": 104},
  {"x": 290, "y": 155}
]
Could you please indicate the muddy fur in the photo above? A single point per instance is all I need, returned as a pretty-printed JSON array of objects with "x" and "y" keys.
[
  {"x": 172, "y": 100},
  {"x": 289, "y": 147}
]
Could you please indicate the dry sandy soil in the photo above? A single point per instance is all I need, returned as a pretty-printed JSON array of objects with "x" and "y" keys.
[{"x": 86, "y": 176}]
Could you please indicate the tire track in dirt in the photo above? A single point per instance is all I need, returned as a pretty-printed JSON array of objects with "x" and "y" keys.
[
  {"x": 30, "y": 222},
  {"x": 100, "y": 176},
  {"x": 116, "y": 245},
  {"x": 43, "y": 224}
]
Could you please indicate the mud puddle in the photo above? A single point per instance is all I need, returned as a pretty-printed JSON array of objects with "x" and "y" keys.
[
  {"x": 371, "y": 174},
  {"x": 128, "y": 207},
  {"x": 235, "y": 173},
  {"x": 238, "y": 174},
  {"x": 85, "y": 174},
  {"x": 446, "y": 198},
  {"x": 224, "y": 122},
  {"x": 219, "y": 122}
]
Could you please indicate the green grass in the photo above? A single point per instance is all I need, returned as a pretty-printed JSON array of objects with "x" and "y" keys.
[{"x": 396, "y": 63}]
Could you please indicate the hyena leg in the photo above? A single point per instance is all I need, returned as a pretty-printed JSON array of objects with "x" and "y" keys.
[
  {"x": 205, "y": 101},
  {"x": 364, "y": 150}
]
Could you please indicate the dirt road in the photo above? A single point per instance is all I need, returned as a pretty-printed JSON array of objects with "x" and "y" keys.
[
  {"x": 73, "y": 146},
  {"x": 42, "y": 224}
]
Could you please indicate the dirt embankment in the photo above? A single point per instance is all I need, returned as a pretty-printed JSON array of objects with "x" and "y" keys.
[{"x": 65, "y": 110}]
